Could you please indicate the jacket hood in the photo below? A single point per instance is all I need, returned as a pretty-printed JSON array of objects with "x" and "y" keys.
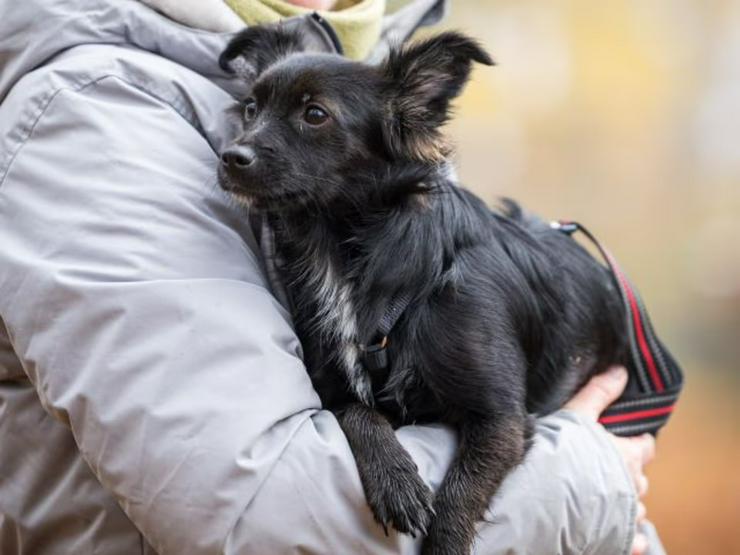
[{"x": 34, "y": 31}]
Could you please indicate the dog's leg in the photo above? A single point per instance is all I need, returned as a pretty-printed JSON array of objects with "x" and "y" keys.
[
  {"x": 395, "y": 492},
  {"x": 489, "y": 449}
]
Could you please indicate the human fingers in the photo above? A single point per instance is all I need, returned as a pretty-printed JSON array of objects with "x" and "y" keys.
[
  {"x": 633, "y": 453},
  {"x": 639, "y": 544},
  {"x": 646, "y": 445},
  {"x": 600, "y": 392},
  {"x": 642, "y": 485},
  {"x": 641, "y": 513}
]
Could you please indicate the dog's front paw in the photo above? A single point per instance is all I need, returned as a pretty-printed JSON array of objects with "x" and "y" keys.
[{"x": 399, "y": 497}]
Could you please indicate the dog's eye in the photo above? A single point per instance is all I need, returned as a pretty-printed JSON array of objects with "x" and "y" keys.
[
  {"x": 250, "y": 108},
  {"x": 315, "y": 115}
]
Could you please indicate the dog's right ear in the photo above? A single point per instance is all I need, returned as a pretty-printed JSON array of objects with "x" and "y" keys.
[
  {"x": 421, "y": 81},
  {"x": 261, "y": 46}
]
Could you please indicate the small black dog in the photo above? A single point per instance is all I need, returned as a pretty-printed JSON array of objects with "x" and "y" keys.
[{"x": 502, "y": 316}]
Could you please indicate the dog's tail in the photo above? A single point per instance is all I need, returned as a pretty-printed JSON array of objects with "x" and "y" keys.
[{"x": 511, "y": 209}]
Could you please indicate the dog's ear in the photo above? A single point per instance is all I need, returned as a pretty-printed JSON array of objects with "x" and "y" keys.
[
  {"x": 421, "y": 81},
  {"x": 260, "y": 46}
]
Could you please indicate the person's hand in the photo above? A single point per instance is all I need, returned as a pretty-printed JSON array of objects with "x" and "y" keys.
[{"x": 591, "y": 401}]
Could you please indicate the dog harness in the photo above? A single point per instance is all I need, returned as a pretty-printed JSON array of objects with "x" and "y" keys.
[{"x": 655, "y": 378}]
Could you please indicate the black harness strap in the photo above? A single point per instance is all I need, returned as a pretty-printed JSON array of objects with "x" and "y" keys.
[
  {"x": 655, "y": 378},
  {"x": 375, "y": 357},
  {"x": 393, "y": 312}
]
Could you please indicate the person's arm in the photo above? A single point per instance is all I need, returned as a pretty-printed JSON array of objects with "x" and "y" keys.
[
  {"x": 636, "y": 452},
  {"x": 133, "y": 296}
]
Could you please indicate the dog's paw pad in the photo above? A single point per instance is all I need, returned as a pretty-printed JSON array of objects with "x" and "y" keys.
[{"x": 404, "y": 501}]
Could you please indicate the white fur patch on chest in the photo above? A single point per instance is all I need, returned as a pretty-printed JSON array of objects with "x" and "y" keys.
[{"x": 336, "y": 322}]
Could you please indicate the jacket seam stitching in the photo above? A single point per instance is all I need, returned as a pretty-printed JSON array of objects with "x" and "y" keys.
[
  {"x": 631, "y": 518},
  {"x": 45, "y": 105}
]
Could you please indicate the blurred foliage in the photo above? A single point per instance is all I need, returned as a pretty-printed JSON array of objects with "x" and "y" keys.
[{"x": 626, "y": 116}]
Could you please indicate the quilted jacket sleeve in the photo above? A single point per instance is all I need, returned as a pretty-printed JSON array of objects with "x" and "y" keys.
[{"x": 135, "y": 301}]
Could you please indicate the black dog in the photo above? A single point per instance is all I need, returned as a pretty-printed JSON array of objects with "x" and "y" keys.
[{"x": 501, "y": 316}]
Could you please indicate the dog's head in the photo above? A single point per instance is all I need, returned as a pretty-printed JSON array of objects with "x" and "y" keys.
[{"x": 312, "y": 123}]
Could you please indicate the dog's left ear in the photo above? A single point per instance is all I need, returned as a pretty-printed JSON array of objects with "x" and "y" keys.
[
  {"x": 421, "y": 81},
  {"x": 260, "y": 46}
]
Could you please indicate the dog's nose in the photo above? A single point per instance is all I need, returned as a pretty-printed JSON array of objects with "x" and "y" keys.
[{"x": 238, "y": 157}]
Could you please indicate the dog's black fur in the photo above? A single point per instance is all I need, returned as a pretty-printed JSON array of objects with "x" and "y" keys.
[{"x": 507, "y": 316}]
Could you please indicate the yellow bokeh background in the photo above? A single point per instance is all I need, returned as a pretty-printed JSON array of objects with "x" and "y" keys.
[{"x": 625, "y": 115}]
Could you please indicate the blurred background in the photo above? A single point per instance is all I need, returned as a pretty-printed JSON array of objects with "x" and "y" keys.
[{"x": 625, "y": 116}]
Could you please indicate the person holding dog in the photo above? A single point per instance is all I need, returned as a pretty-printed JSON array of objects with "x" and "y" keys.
[{"x": 152, "y": 394}]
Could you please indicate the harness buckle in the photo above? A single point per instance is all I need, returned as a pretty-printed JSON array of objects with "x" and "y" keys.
[
  {"x": 376, "y": 356},
  {"x": 566, "y": 227}
]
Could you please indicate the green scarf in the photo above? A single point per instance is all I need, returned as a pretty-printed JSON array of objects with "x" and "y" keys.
[{"x": 357, "y": 23}]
